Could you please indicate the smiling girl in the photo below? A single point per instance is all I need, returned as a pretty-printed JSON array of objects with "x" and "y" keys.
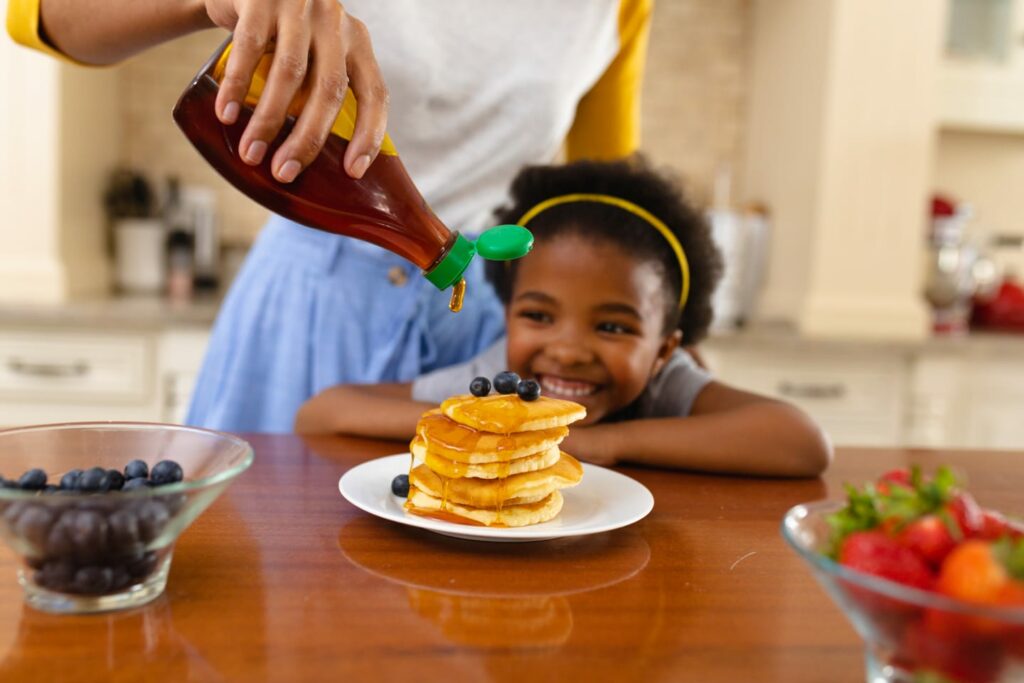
[{"x": 620, "y": 279}]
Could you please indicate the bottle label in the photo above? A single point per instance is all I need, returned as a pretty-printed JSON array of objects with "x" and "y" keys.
[{"x": 344, "y": 124}]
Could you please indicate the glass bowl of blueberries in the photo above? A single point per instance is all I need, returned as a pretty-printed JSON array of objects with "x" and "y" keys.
[{"x": 93, "y": 509}]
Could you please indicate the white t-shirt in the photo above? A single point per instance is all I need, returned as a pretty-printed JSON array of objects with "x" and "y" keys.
[{"x": 480, "y": 88}]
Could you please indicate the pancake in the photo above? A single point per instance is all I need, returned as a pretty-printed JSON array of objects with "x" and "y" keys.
[
  {"x": 460, "y": 443},
  {"x": 486, "y": 470},
  {"x": 507, "y": 413},
  {"x": 421, "y": 503},
  {"x": 527, "y": 487}
]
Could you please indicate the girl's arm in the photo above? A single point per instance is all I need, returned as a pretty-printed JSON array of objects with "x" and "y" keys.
[
  {"x": 383, "y": 411},
  {"x": 728, "y": 431}
]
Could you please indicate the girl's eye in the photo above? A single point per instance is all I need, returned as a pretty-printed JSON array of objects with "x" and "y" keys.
[
  {"x": 536, "y": 316},
  {"x": 614, "y": 328}
]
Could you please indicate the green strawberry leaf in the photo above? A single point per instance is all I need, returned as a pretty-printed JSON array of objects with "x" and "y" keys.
[{"x": 1010, "y": 554}]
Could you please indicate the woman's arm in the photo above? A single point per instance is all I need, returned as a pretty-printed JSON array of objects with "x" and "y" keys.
[
  {"x": 384, "y": 411},
  {"x": 107, "y": 31},
  {"x": 729, "y": 431}
]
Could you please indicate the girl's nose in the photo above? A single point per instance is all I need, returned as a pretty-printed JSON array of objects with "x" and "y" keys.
[{"x": 567, "y": 352}]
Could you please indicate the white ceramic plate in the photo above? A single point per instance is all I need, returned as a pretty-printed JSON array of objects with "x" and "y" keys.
[{"x": 602, "y": 501}]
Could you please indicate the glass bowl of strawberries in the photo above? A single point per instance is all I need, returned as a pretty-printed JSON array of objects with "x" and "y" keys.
[{"x": 933, "y": 583}]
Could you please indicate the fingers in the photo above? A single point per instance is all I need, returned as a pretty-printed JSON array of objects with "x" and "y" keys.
[
  {"x": 328, "y": 81},
  {"x": 250, "y": 39},
  {"x": 372, "y": 97},
  {"x": 287, "y": 72}
]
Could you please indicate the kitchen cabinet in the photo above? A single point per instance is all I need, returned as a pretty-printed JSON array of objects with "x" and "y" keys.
[
  {"x": 71, "y": 375},
  {"x": 936, "y": 394},
  {"x": 981, "y": 79},
  {"x": 857, "y": 397}
]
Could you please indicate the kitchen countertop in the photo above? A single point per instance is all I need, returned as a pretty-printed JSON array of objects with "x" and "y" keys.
[
  {"x": 283, "y": 580},
  {"x": 120, "y": 313},
  {"x": 782, "y": 336},
  {"x": 149, "y": 313}
]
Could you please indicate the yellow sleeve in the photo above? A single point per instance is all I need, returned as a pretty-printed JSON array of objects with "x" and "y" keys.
[
  {"x": 23, "y": 26},
  {"x": 607, "y": 124}
]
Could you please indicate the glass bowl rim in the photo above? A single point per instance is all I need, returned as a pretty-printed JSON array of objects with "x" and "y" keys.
[
  {"x": 179, "y": 487},
  {"x": 913, "y": 596}
]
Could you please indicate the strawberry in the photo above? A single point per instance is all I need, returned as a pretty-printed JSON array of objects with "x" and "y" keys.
[
  {"x": 874, "y": 552},
  {"x": 899, "y": 476},
  {"x": 929, "y": 537},
  {"x": 967, "y": 513},
  {"x": 948, "y": 657},
  {"x": 995, "y": 526}
]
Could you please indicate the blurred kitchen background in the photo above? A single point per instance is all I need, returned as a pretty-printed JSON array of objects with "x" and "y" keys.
[{"x": 860, "y": 161}]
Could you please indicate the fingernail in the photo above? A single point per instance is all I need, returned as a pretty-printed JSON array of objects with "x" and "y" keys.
[
  {"x": 360, "y": 165},
  {"x": 254, "y": 154},
  {"x": 289, "y": 171},
  {"x": 230, "y": 113}
]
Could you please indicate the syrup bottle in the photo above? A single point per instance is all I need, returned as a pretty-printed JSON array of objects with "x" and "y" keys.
[{"x": 383, "y": 207}]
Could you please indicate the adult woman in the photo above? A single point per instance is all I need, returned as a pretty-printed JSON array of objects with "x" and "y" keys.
[{"x": 477, "y": 91}]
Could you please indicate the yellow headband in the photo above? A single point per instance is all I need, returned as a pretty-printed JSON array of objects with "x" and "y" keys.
[{"x": 651, "y": 219}]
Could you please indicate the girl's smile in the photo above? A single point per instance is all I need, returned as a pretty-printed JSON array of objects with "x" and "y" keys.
[{"x": 586, "y": 320}]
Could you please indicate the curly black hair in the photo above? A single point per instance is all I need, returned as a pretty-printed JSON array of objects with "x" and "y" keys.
[{"x": 633, "y": 180}]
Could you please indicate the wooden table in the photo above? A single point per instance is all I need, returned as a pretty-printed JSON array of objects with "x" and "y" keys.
[{"x": 283, "y": 580}]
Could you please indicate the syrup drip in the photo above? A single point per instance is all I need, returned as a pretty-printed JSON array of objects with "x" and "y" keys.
[{"x": 458, "y": 294}]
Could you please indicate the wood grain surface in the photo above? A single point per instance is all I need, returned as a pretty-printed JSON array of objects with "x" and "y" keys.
[{"x": 283, "y": 580}]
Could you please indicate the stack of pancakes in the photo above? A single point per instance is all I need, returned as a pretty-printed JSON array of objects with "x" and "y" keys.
[{"x": 493, "y": 460}]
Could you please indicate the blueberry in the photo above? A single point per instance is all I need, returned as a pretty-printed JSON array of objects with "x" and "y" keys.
[
  {"x": 136, "y": 469},
  {"x": 481, "y": 386},
  {"x": 8, "y": 483},
  {"x": 89, "y": 531},
  {"x": 33, "y": 525},
  {"x": 400, "y": 485},
  {"x": 124, "y": 530},
  {"x": 93, "y": 580},
  {"x": 142, "y": 566},
  {"x": 33, "y": 480},
  {"x": 506, "y": 382},
  {"x": 166, "y": 472},
  {"x": 92, "y": 480},
  {"x": 528, "y": 390},
  {"x": 50, "y": 488},
  {"x": 115, "y": 480},
  {"x": 70, "y": 480},
  {"x": 59, "y": 542},
  {"x": 56, "y": 575},
  {"x": 152, "y": 517},
  {"x": 136, "y": 483}
]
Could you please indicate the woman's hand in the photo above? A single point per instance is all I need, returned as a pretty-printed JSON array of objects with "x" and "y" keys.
[{"x": 315, "y": 37}]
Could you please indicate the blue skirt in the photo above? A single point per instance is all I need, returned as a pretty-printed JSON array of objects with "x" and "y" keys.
[{"x": 309, "y": 310}]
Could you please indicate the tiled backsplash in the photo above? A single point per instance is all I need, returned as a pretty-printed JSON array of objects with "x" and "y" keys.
[{"x": 693, "y": 103}]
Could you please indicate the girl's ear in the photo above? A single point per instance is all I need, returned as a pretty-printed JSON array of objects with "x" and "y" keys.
[{"x": 668, "y": 345}]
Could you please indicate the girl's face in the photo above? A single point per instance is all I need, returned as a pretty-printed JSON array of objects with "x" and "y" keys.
[{"x": 585, "y": 320}]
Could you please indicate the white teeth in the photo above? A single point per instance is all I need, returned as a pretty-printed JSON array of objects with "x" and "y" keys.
[{"x": 570, "y": 389}]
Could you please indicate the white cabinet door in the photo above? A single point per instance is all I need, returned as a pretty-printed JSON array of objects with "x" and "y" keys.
[
  {"x": 858, "y": 398},
  {"x": 996, "y": 414},
  {"x": 981, "y": 81},
  {"x": 71, "y": 376}
]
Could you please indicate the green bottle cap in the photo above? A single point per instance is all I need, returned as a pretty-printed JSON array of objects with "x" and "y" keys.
[
  {"x": 504, "y": 243},
  {"x": 501, "y": 243},
  {"x": 453, "y": 265}
]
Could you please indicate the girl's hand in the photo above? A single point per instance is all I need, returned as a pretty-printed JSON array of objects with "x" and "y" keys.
[
  {"x": 587, "y": 443},
  {"x": 315, "y": 36}
]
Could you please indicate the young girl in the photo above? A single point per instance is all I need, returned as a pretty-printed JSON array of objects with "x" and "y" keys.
[{"x": 620, "y": 277}]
